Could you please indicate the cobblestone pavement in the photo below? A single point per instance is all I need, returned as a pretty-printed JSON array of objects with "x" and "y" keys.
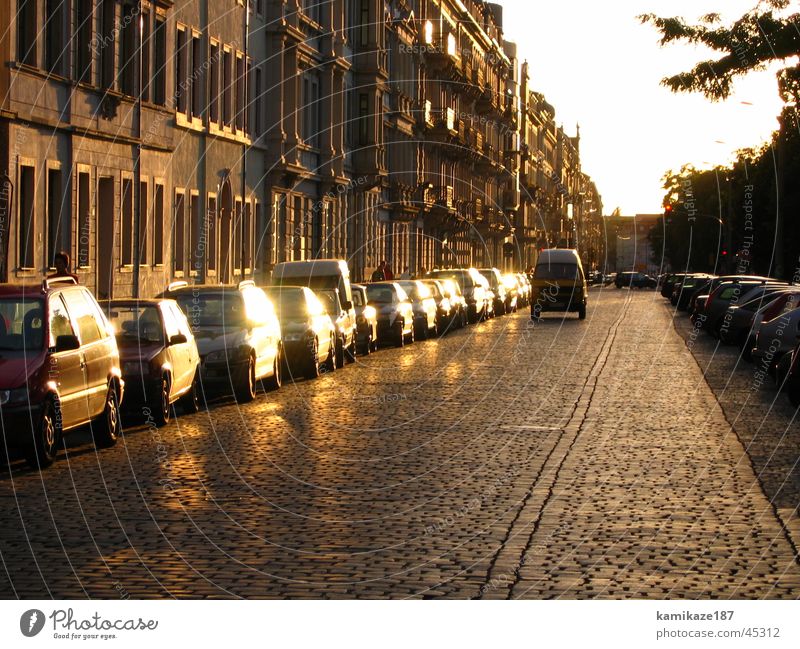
[{"x": 571, "y": 459}]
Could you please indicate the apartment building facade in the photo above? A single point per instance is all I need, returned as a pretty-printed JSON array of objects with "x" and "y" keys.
[{"x": 155, "y": 140}]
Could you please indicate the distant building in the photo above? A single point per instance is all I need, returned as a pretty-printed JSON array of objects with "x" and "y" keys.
[{"x": 628, "y": 243}]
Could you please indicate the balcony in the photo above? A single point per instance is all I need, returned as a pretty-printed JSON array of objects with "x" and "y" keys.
[
  {"x": 487, "y": 102},
  {"x": 402, "y": 201},
  {"x": 441, "y": 200},
  {"x": 441, "y": 57},
  {"x": 444, "y": 128}
]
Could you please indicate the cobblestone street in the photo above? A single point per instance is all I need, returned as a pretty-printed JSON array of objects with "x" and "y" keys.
[{"x": 574, "y": 459}]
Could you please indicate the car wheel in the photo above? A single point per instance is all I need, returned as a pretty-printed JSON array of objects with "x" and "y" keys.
[
  {"x": 246, "y": 388},
  {"x": 330, "y": 363},
  {"x": 190, "y": 402},
  {"x": 108, "y": 429},
  {"x": 582, "y": 312},
  {"x": 275, "y": 381},
  {"x": 366, "y": 348},
  {"x": 160, "y": 403},
  {"x": 793, "y": 390},
  {"x": 536, "y": 312},
  {"x": 339, "y": 352},
  {"x": 411, "y": 337},
  {"x": 312, "y": 363},
  {"x": 46, "y": 437},
  {"x": 421, "y": 331},
  {"x": 399, "y": 334},
  {"x": 350, "y": 352}
]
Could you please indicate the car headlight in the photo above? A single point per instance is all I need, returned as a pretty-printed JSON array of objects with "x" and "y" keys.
[{"x": 369, "y": 313}]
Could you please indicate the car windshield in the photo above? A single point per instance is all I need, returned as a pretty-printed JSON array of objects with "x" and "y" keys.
[
  {"x": 556, "y": 271},
  {"x": 462, "y": 277},
  {"x": 380, "y": 294},
  {"x": 225, "y": 310},
  {"x": 135, "y": 324},
  {"x": 289, "y": 305},
  {"x": 21, "y": 324},
  {"x": 329, "y": 301}
]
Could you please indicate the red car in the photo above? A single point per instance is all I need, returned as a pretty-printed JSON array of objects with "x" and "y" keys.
[{"x": 59, "y": 368}]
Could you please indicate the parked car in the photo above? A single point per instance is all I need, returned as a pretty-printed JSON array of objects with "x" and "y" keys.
[
  {"x": 775, "y": 339},
  {"x": 743, "y": 321},
  {"x": 718, "y": 301},
  {"x": 308, "y": 334},
  {"x": 668, "y": 284},
  {"x": 447, "y": 316},
  {"x": 793, "y": 378},
  {"x": 758, "y": 293},
  {"x": 59, "y": 368},
  {"x": 395, "y": 313},
  {"x": 424, "y": 306},
  {"x": 366, "y": 321},
  {"x": 514, "y": 291},
  {"x": 472, "y": 287},
  {"x": 458, "y": 303},
  {"x": 345, "y": 321},
  {"x": 634, "y": 280},
  {"x": 159, "y": 356},
  {"x": 330, "y": 280},
  {"x": 686, "y": 288},
  {"x": 559, "y": 283},
  {"x": 503, "y": 302},
  {"x": 525, "y": 290},
  {"x": 237, "y": 333}
]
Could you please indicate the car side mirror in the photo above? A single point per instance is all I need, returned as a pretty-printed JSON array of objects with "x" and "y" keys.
[
  {"x": 67, "y": 343},
  {"x": 348, "y": 305},
  {"x": 178, "y": 339}
]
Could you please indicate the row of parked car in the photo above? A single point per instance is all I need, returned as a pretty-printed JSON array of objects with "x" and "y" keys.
[
  {"x": 760, "y": 315},
  {"x": 67, "y": 360}
]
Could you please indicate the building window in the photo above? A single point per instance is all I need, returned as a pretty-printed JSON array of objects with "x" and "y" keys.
[
  {"x": 178, "y": 233},
  {"x": 364, "y": 22},
  {"x": 158, "y": 224},
  {"x": 197, "y": 80},
  {"x": 247, "y": 237},
  {"x": 108, "y": 32},
  {"x": 144, "y": 214},
  {"x": 210, "y": 227},
  {"x": 83, "y": 40},
  {"x": 128, "y": 59},
  {"x": 84, "y": 222},
  {"x": 248, "y": 101},
  {"x": 56, "y": 235},
  {"x": 227, "y": 108},
  {"x": 54, "y": 36},
  {"x": 256, "y": 123},
  {"x": 26, "y": 225},
  {"x": 26, "y": 32},
  {"x": 160, "y": 62},
  {"x": 241, "y": 108},
  {"x": 363, "y": 119},
  {"x": 127, "y": 222},
  {"x": 181, "y": 71},
  {"x": 196, "y": 234},
  {"x": 147, "y": 76},
  {"x": 310, "y": 111},
  {"x": 213, "y": 89},
  {"x": 238, "y": 224},
  {"x": 317, "y": 215}
]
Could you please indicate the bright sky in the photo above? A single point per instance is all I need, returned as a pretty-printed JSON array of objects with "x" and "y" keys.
[{"x": 598, "y": 66}]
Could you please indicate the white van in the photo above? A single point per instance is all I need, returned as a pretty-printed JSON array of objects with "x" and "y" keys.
[{"x": 330, "y": 280}]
